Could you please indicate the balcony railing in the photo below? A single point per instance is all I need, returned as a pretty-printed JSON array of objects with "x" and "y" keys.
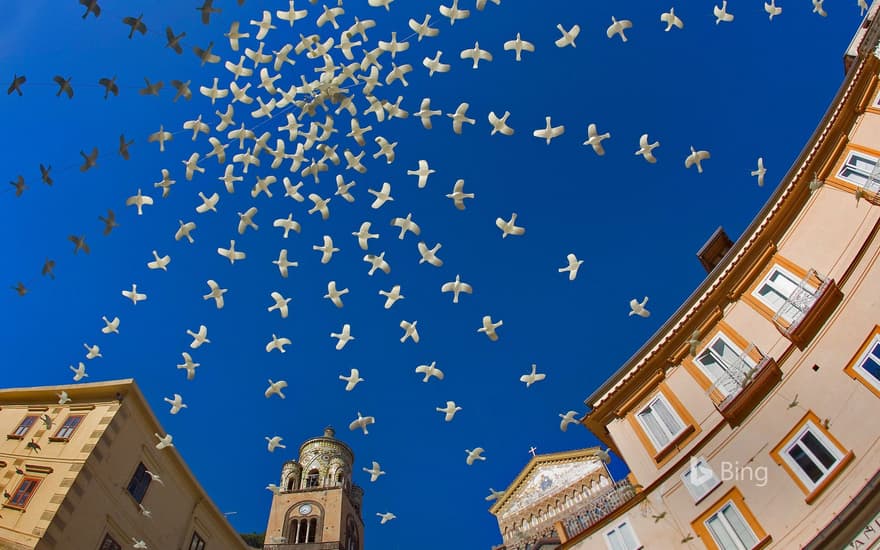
[
  {"x": 800, "y": 317},
  {"x": 745, "y": 386},
  {"x": 738, "y": 372}
]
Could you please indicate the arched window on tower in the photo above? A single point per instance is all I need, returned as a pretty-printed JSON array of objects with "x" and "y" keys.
[
  {"x": 290, "y": 484},
  {"x": 340, "y": 477},
  {"x": 312, "y": 478},
  {"x": 313, "y": 530}
]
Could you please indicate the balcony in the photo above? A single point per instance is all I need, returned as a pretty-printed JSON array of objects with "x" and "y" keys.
[
  {"x": 744, "y": 387},
  {"x": 806, "y": 309}
]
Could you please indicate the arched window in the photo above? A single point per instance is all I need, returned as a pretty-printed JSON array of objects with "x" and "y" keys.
[
  {"x": 290, "y": 484},
  {"x": 340, "y": 477},
  {"x": 312, "y": 478},
  {"x": 312, "y": 530}
]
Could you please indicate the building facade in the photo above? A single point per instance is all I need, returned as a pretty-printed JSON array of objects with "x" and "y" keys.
[
  {"x": 316, "y": 506},
  {"x": 748, "y": 420},
  {"x": 79, "y": 475}
]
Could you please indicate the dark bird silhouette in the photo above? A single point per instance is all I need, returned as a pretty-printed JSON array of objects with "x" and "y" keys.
[
  {"x": 64, "y": 86},
  {"x": 90, "y": 160},
  {"x": 151, "y": 89},
  {"x": 33, "y": 445},
  {"x": 17, "y": 81},
  {"x": 79, "y": 243},
  {"x": 794, "y": 402},
  {"x": 91, "y": 7},
  {"x": 20, "y": 289},
  {"x": 206, "y": 55},
  {"x": 19, "y": 185},
  {"x": 44, "y": 174},
  {"x": 207, "y": 9},
  {"x": 182, "y": 90},
  {"x": 174, "y": 41},
  {"x": 658, "y": 517},
  {"x": 136, "y": 24},
  {"x": 110, "y": 86},
  {"x": 48, "y": 268},
  {"x": 123, "y": 147},
  {"x": 19, "y": 471},
  {"x": 47, "y": 421},
  {"x": 109, "y": 222}
]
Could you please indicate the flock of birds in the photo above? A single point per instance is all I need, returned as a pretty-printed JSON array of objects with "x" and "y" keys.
[{"x": 309, "y": 112}]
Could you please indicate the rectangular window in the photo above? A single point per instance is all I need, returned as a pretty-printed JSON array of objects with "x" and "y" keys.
[
  {"x": 139, "y": 483},
  {"x": 23, "y": 493},
  {"x": 197, "y": 543},
  {"x": 699, "y": 478},
  {"x": 622, "y": 537},
  {"x": 859, "y": 169},
  {"x": 811, "y": 456},
  {"x": 109, "y": 543},
  {"x": 729, "y": 529},
  {"x": 25, "y": 425},
  {"x": 778, "y": 290},
  {"x": 868, "y": 365},
  {"x": 660, "y": 421},
  {"x": 726, "y": 366},
  {"x": 66, "y": 430}
]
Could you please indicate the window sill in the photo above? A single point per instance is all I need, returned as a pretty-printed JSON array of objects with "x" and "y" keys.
[
  {"x": 13, "y": 436},
  {"x": 59, "y": 439},
  {"x": 666, "y": 451},
  {"x": 735, "y": 408},
  {"x": 763, "y": 543},
  {"x": 14, "y": 507},
  {"x": 814, "y": 494}
]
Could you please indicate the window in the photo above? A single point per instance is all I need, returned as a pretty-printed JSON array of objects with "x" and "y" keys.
[
  {"x": 65, "y": 432},
  {"x": 811, "y": 455},
  {"x": 865, "y": 365},
  {"x": 622, "y": 537},
  {"x": 312, "y": 479},
  {"x": 660, "y": 422},
  {"x": 729, "y": 525},
  {"x": 197, "y": 542},
  {"x": 858, "y": 169},
  {"x": 699, "y": 478},
  {"x": 139, "y": 483},
  {"x": 726, "y": 366},
  {"x": 109, "y": 543},
  {"x": 304, "y": 530},
  {"x": 25, "y": 426},
  {"x": 777, "y": 290},
  {"x": 23, "y": 493}
]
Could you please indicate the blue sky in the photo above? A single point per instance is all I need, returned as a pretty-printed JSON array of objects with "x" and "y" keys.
[{"x": 740, "y": 90}]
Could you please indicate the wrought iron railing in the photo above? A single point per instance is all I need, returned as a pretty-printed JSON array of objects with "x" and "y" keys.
[
  {"x": 800, "y": 301},
  {"x": 738, "y": 372}
]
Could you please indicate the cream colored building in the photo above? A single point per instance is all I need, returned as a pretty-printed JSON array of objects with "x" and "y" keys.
[
  {"x": 77, "y": 476},
  {"x": 750, "y": 419},
  {"x": 316, "y": 506}
]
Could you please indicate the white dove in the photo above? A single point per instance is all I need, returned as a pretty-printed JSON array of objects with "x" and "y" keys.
[
  {"x": 817, "y": 8},
  {"x": 216, "y": 293},
  {"x": 456, "y": 287},
  {"x": 79, "y": 372},
  {"x": 494, "y": 495},
  {"x": 230, "y": 253},
  {"x": 696, "y": 157},
  {"x": 287, "y": 224},
  {"x": 144, "y": 511},
  {"x": 617, "y": 27},
  {"x": 422, "y": 29},
  {"x": 247, "y": 220},
  {"x": 409, "y": 331},
  {"x": 568, "y": 36},
  {"x": 459, "y": 117},
  {"x": 429, "y": 371},
  {"x": 519, "y": 45},
  {"x": 363, "y": 235},
  {"x": 164, "y": 441},
  {"x": 423, "y": 172},
  {"x": 386, "y": 517},
  {"x": 549, "y": 131},
  {"x": 327, "y": 249},
  {"x": 594, "y": 139},
  {"x": 721, "y": 13},
  {"x": 382, "y": 196},
  {"x": 450, "y": 410},
  {"x": 352, "y": 379},
  {"x": 139, "y": 544},
  {"x": 343, "y": 337},
  {"x": 280, "y": 304},
  {"x": 509, "y": 227},
  {"x": 320, "y": 205},
  {"x": 184, "y": 231},
  {"x": 489, "y": 327},
  {"x": 391, "y": 296},
  {"x": 772, "y": 9},
  {"x": 110, "y": 326},
  {"x": 453, "y": 12},
  {"x": 532, "y": 377},
  {"x": 199, "y": 338},
  {"x": 63, "y": 398},
  {"x": 374, "y": 472},
  {"x": 647, "y": 149},
  {"x": 275, "y": 389},
  {"x": 189, "y": 365},
  {"x": 476, "y": 54},
  {"x": 434, "y": 66},
  {"x": 159, "y": 263},
  {"x": 176, "y": 403},
  {"x": 342, "y": 188},
  {"x": 474, "y": 455},
  {"x": 671, "y": 20},
  {"x": 334, "y": 295},
  {"x": 425, "y": 113},
  {"x": 274, "y": 442},
  {"x": 567, "y": 418},
  {"x": 283, "y": 263},
  {"x": 362, "y": 422},
  {"x": 499, "y": 124},
  {"x": 140, "y": 200},
  {"x": 275, "y": 490},
  {"x": 760, "y": 171},
  {"x": 637, "y": 308},
  {"x": 208, "y": 203},
  {"x": 134, "y": 295},
  {"x": 277, "y": 343},
  {"x": 430, "y": 254},
  {"x": 458, "y": 195},
  {"x": 572, "y": 268},
  {"x": 377, "y": 262}
]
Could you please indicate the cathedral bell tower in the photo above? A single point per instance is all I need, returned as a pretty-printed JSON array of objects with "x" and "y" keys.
[{"x": 317, "y": 506}]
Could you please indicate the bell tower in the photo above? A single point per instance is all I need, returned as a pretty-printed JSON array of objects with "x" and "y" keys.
[{"x": 317, "y": 507}]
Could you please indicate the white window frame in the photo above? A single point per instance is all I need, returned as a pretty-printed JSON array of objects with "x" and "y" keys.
[
  {"x": 669, "y": 434},
  {"x": 860, "y": 364},
  {"x": 625, "y": 524},
  {"x": 699, "y": 492},
  {"x": 729, "y": 342},
  {"x": 832, "y": 449},
  {"x": 849, "y": 165},
  {"x": 731, "y": 532},
  {"x": 766, "y": 281}
]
